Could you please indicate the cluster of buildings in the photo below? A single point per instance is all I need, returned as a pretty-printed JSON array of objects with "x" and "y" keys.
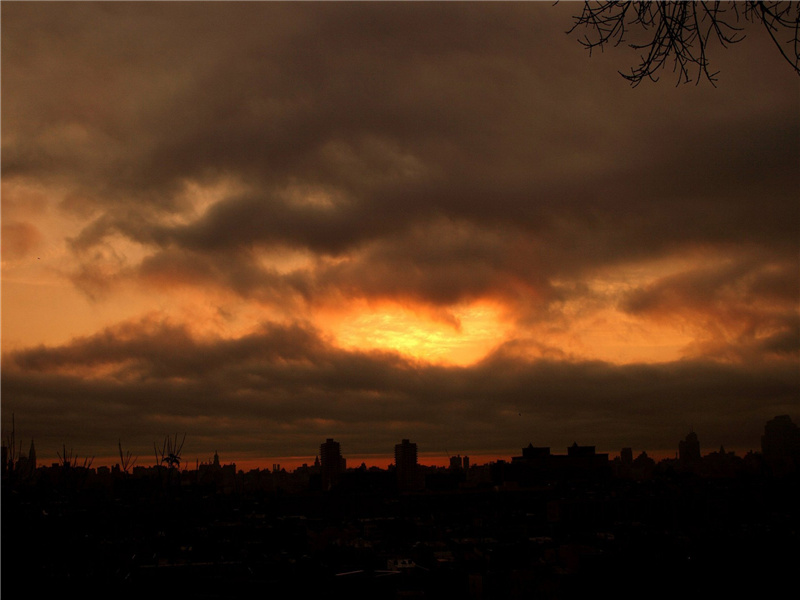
[
  {"x": 332, "y": 465},
  {"x": 780, "y": 455}
]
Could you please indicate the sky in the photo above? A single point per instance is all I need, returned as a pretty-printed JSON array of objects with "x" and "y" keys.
[{"x": 262, "y": 225}]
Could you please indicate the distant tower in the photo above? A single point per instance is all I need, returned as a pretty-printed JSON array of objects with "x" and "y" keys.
[
  {"x": 405, "y": 459},
  {"x": 780, "y": 444},
  {"x": 32, "y": 458},
  {"x": 689, "y": 449},
  {"x": 216, "y": 460},
  {"x": 331, "y": 463}
]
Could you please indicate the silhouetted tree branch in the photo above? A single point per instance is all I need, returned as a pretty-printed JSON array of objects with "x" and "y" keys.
[
  {"x": 11, "y": 445},
  {"x": 680, "y": 32},
  {"x": 170, "y": 452},
  {"x": 126, "y": 459},
  {"x": 69, "y": 459}
]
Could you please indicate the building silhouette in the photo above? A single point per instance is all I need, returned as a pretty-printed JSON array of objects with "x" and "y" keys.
[
  {"x": 214, "y": 472},
  {"x": 780, "y": 445},
  {"x": 332, "y": 465},
  {"x": 407, "y": 469},
  {"x": 643, "y": 466},
  {"x": 689, "y": 450},
  {"x": 623, "y": 466},
  {"x": 538, "y": 464},
  {"x": 457, "y": 462},
  {"x": 24, "y": 466}
]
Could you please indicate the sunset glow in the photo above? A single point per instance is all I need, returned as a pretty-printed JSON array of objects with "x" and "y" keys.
[{"x": 461, "y": 336}]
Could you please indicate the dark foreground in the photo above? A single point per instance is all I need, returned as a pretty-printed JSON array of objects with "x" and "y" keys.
[{"x": 663, "y": 537}]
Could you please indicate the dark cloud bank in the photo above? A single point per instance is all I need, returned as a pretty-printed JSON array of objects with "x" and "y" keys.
[{"x": 281, "y": 390}]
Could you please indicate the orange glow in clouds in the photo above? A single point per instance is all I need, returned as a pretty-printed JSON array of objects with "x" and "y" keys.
[
  {"x": 39, "y": 291},
  {"x": 460, "y": 336}
]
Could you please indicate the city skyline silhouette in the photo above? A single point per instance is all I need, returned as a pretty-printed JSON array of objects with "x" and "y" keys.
[{"x": 781, "y": 436}]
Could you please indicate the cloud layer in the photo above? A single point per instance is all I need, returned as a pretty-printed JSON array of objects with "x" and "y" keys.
[
  {"x": 281, "y": 389},
  {"x": 219, "y": 192}
]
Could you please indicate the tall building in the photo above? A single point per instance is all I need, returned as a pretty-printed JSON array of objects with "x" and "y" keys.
[
  {"x": 576, "y": 451},
  {"x": 26, "y": 465},
  {"x": 780, "y": 444},
  {"x": 32, "y": 456},
  {"x": 689, "y": 449},
  {"x": 405, "y": 460},
  {"x": 332, "y": 465}
]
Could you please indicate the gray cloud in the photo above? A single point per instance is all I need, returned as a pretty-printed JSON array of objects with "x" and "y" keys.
[{"x": 345, "y": 99}]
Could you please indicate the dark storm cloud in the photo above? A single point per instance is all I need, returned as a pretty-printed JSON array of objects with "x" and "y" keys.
[
  {"x": 405, "y": 113},
  {"x": 284, "y": 388},
  {"x": 744, "y": 280},
  {"x": 157, "y": 345},
  {"x": 438, "y": 264}
]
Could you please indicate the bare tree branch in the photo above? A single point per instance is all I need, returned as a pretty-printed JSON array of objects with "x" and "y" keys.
[
  {"x": 680, "y": 32},
  {"x": 126, "y": 459},
  {"x": 170, "y": 452}
]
